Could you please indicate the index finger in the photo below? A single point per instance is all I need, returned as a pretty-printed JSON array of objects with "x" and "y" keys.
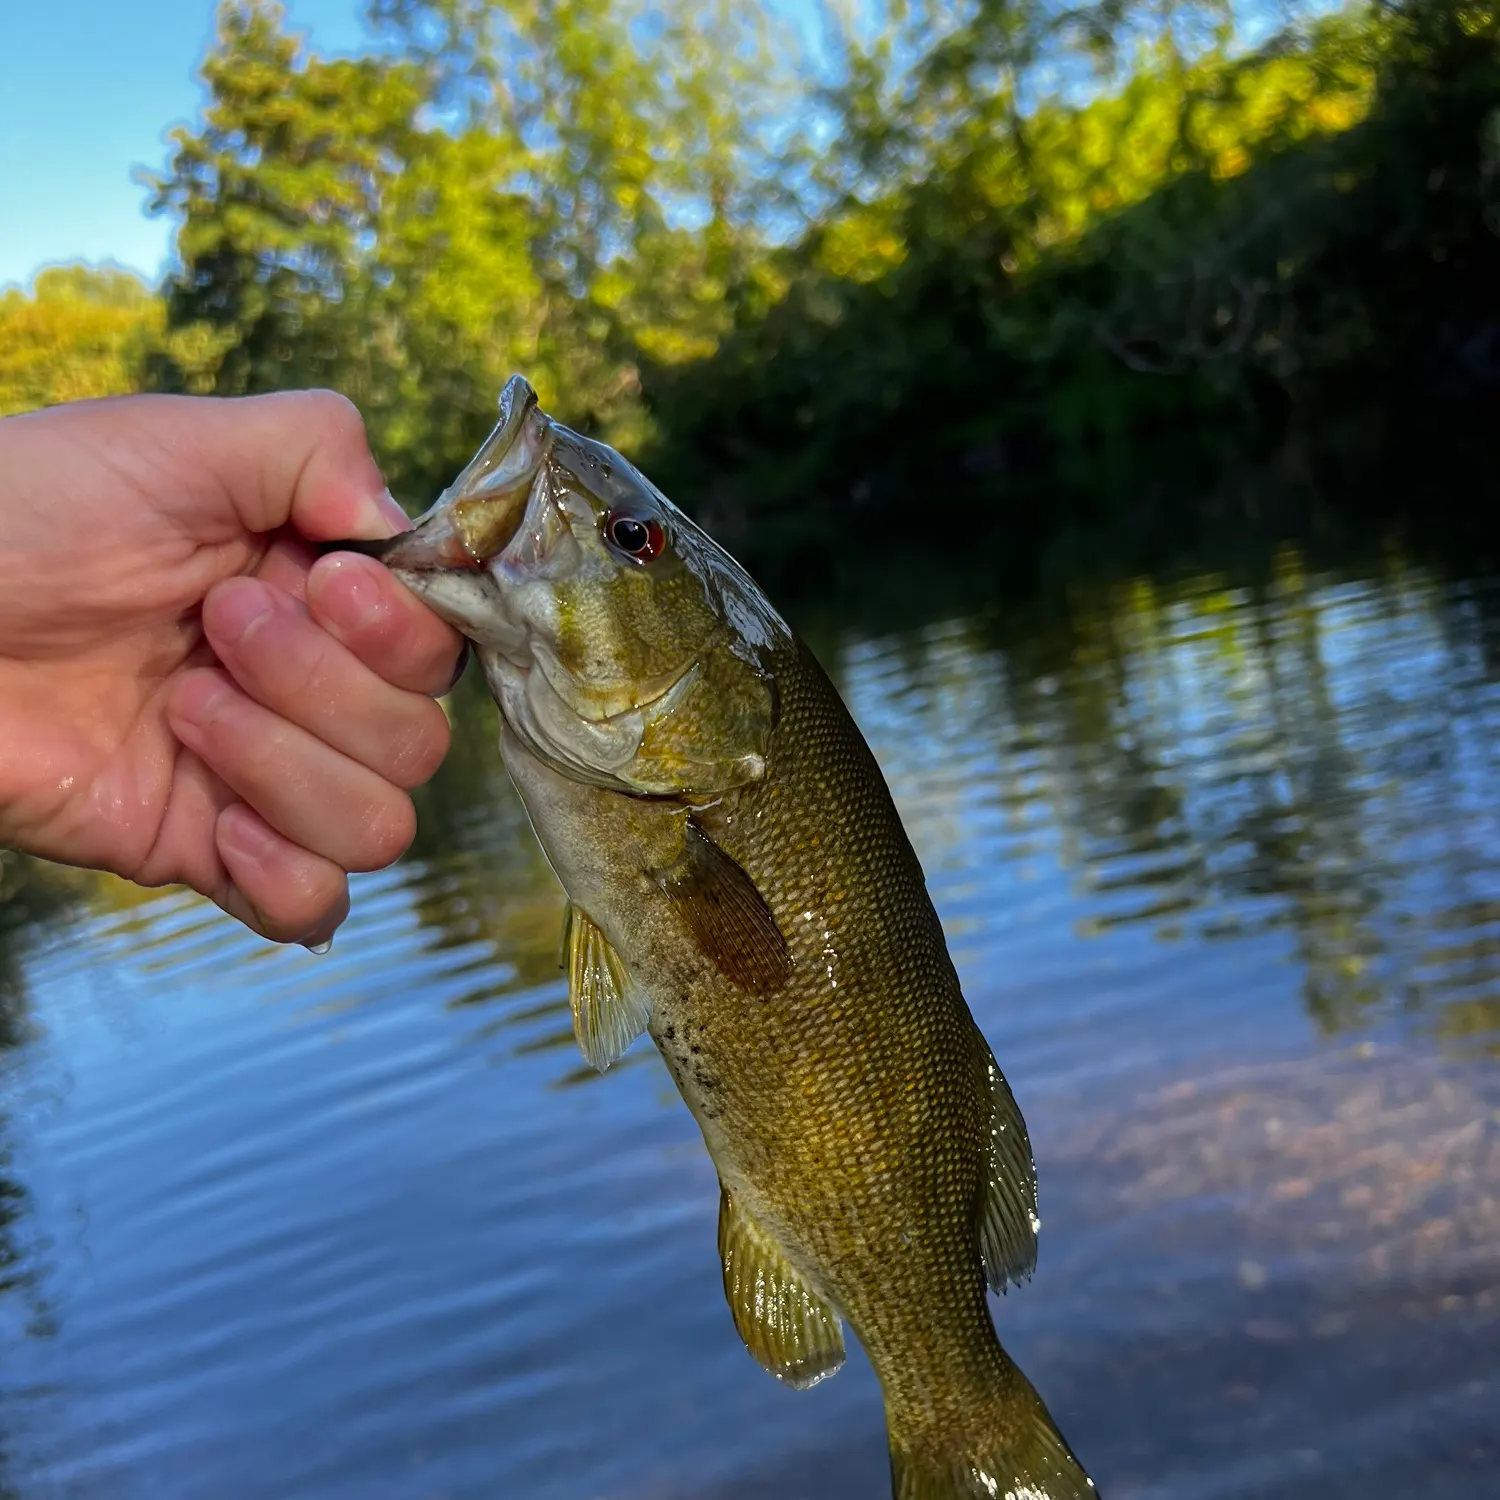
[{"x": 363, "y": 605}]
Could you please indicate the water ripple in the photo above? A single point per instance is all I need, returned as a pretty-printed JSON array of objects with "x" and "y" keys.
[{"x": 1220, "y": 870}]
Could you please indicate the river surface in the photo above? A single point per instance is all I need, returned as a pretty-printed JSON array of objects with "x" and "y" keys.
[{"x": 1220, "y": 869}]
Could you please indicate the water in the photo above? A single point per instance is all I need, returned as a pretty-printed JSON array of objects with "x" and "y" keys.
[{"x": 1220, "y": 870}]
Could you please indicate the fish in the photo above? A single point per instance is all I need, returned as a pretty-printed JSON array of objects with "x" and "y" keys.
[{"x": 741, "y": 888}]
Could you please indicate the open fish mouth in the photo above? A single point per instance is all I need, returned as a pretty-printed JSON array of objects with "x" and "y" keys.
[{"x": 494, "y": 502}]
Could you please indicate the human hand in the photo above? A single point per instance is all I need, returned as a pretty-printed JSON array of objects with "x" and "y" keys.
[{"x": 187, "y": 692}]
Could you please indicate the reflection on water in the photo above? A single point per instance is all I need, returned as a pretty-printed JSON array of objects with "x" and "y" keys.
[{"x": 1219, "y": 868}]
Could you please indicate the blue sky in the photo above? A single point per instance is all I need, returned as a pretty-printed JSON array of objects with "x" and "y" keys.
[{"x": 88, "y": 90}]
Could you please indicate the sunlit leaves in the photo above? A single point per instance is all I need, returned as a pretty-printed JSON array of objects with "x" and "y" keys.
[
  {"x": 700, "y": 244},
  {"x": 79, "y": 333},
  {"x": 564, "y": 186}
]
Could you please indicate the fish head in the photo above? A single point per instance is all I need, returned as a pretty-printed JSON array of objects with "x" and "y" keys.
[{"x": 624, "y": 646}]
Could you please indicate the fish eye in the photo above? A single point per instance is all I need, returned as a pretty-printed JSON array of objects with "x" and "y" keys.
[{"x": 636, "y": 536}]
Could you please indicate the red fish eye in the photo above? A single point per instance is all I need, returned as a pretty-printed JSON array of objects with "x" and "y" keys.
[{"x": 637, "y": 536}]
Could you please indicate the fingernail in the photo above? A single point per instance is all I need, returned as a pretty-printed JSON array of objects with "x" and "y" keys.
[
  {"x": 391, "y": 509},
  {"x": 238, "y": 608},
  {"x": 380, "y": 517},
  {"x": 458, "y": 669}
]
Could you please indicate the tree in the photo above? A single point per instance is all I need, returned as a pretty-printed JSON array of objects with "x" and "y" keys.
[
  {"x": 81, "y": 332},
  {"x": 504, "y": 186}
]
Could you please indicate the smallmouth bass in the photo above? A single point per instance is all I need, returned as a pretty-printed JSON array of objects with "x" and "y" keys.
[{"x": 741, "y": 887}]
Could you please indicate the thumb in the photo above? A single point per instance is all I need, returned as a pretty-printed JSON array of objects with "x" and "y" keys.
[{"x": 295, "y": 458}]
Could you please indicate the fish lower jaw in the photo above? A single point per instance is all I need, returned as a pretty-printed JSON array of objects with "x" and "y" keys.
[
  {"x": 469, "y": 602},
  {"x": 503, "y": 638}
]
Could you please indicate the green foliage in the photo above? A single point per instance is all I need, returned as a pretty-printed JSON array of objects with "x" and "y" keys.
[
  {"x": 1073, "y": 263},
  {"x": 1093, "y": 312},
  {"x": 79, "y": 333},
  {"x": 328, "y": 239},
  {"x": 492, "y": 193}
]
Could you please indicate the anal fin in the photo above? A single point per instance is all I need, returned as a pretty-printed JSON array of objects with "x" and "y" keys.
[
  {"x": 1008, "y": 1222},
  {"x": 789, "y": 1329},
  {"x": 609, "y": 1011}
]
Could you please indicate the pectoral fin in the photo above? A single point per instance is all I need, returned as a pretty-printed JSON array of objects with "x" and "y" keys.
[
  {"x": 609, "y": 1012},
  {"x": 1008, "y": 1221},
  {"x": 785, "y": 1325},
  {"x": 727, "y": 914}
]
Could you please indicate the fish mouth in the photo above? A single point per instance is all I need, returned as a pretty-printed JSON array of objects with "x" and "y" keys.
[{"x": 478, "y": 516}]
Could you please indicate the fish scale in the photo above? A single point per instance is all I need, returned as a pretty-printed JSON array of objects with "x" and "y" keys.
[
  {"x": 876, "y": 1165},
  {"x": 741, "y": 886}
]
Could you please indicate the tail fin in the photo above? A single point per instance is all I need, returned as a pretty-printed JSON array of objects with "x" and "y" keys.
[{"x": 1015, "y": 1453}]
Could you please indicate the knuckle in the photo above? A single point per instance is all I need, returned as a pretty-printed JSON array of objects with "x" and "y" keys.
[
  {"x": 258, "y": 749},
  {"x": 388, "y": 832},
  {"x": 288, "y": 898},
  {"x": 283, "y": 927},
  {"x": 301, "y": 677},
  {"x": 280, "y": 671},
  {"x": 339, "y": 416},
  {"x": 417, "y": 752},
  {"x": 220, "y": 718},
  {"x": 383, "y": 640}
]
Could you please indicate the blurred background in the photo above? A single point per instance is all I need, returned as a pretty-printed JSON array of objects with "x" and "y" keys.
[{"x": 1108, "y": 392}]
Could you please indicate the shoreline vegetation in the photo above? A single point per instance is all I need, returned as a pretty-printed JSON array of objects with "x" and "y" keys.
[{"x": 1053, "y": 288}]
